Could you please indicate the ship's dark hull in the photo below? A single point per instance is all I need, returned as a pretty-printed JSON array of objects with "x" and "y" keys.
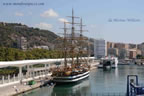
[{"x": 71, "y": 79}]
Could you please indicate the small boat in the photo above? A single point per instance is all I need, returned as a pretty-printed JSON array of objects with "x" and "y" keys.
[
  {"x": 108, "y": 62},
  {"x": 48, "y": 83}
]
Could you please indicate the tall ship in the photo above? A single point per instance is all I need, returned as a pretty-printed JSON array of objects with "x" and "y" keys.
[{"x": 75, "y": 52}]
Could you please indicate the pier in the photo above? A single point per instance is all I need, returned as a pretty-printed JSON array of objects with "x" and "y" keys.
[{"x": 18, "y": 82}]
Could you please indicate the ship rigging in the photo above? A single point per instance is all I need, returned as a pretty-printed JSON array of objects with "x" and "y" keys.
[{"x": 73, "y": 47}]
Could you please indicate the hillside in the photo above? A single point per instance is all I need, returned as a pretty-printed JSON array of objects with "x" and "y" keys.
[{"x": 9, "y": 32}]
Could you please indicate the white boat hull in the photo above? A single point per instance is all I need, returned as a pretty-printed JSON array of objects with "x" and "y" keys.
[
  {"x": 114, "y": 66},
  {"x": 71, "y": 79},
  {"x": 111, "y": 65},
  {"x": 100, "y": 66}
]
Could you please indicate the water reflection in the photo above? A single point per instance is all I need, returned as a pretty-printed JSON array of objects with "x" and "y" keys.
[
  {"x": 116, "y": 73},
  {"x": 44, "y": 91},
  {"x": 100, "y": 81},
  {"x": 76, "y": 89}
]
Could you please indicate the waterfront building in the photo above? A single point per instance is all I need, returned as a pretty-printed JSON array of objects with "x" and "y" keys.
[
  {"x": 141, "y": 47},
  {"x": 100, "y": 48},
  {"x": 132, "y": 46},
  {"x": 126, "y": 46},
  {"x": 110, "y": 45},
  {"x": 132, "y": 53},
  {"x": 123, "y": 53},
  {"x": 112, "y": 52},
  {"x": 125, "y": 50},
  {"x": 119, "y": 45},
  {"x": 139, "y": 52}
]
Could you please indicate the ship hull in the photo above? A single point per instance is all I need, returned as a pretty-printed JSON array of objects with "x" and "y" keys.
[
  {"x": 112, "y": 66},
  {"x": 108, "y": 63},
  {"x": 71, "y": 79}
]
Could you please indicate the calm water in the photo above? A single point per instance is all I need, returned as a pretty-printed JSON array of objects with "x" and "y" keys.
[{"x": 100, "y": 81}]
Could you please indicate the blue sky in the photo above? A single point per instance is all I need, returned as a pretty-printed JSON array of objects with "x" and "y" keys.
[{"x": 95, "y": 13}]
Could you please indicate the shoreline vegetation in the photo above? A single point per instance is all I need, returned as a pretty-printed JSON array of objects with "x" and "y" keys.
[{"x": 13, "y": 54}]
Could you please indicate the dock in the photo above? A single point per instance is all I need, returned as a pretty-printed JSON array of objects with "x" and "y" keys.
[{"x": 17, "y": 84}]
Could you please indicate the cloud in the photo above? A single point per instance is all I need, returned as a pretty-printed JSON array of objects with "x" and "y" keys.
[
  {"x": 63, "y": 20},
  {"x": 44, "y": 25},
  {"x": 19, "y": 14},
  {"x": 49, "y": 13}
]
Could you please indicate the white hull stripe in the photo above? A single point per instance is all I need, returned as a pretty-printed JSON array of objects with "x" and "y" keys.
[
  {"x": 72, "y": 77},
  {"x": 73, "y": 80}
]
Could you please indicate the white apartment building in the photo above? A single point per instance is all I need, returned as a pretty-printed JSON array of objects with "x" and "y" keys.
[{"x": 100, "y": 48}]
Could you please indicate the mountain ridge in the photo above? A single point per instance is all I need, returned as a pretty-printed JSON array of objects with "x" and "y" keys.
[{"x": 9, "y": 32}]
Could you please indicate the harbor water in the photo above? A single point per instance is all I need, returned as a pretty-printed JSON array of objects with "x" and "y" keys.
[{"x": 99, "y": 82}]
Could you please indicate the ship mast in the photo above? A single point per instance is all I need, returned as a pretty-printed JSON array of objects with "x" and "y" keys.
[
  {"x": 64, "y": 43},
  {"x": 81, "y": 38},
  {"x": 72, "y": 38}
]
